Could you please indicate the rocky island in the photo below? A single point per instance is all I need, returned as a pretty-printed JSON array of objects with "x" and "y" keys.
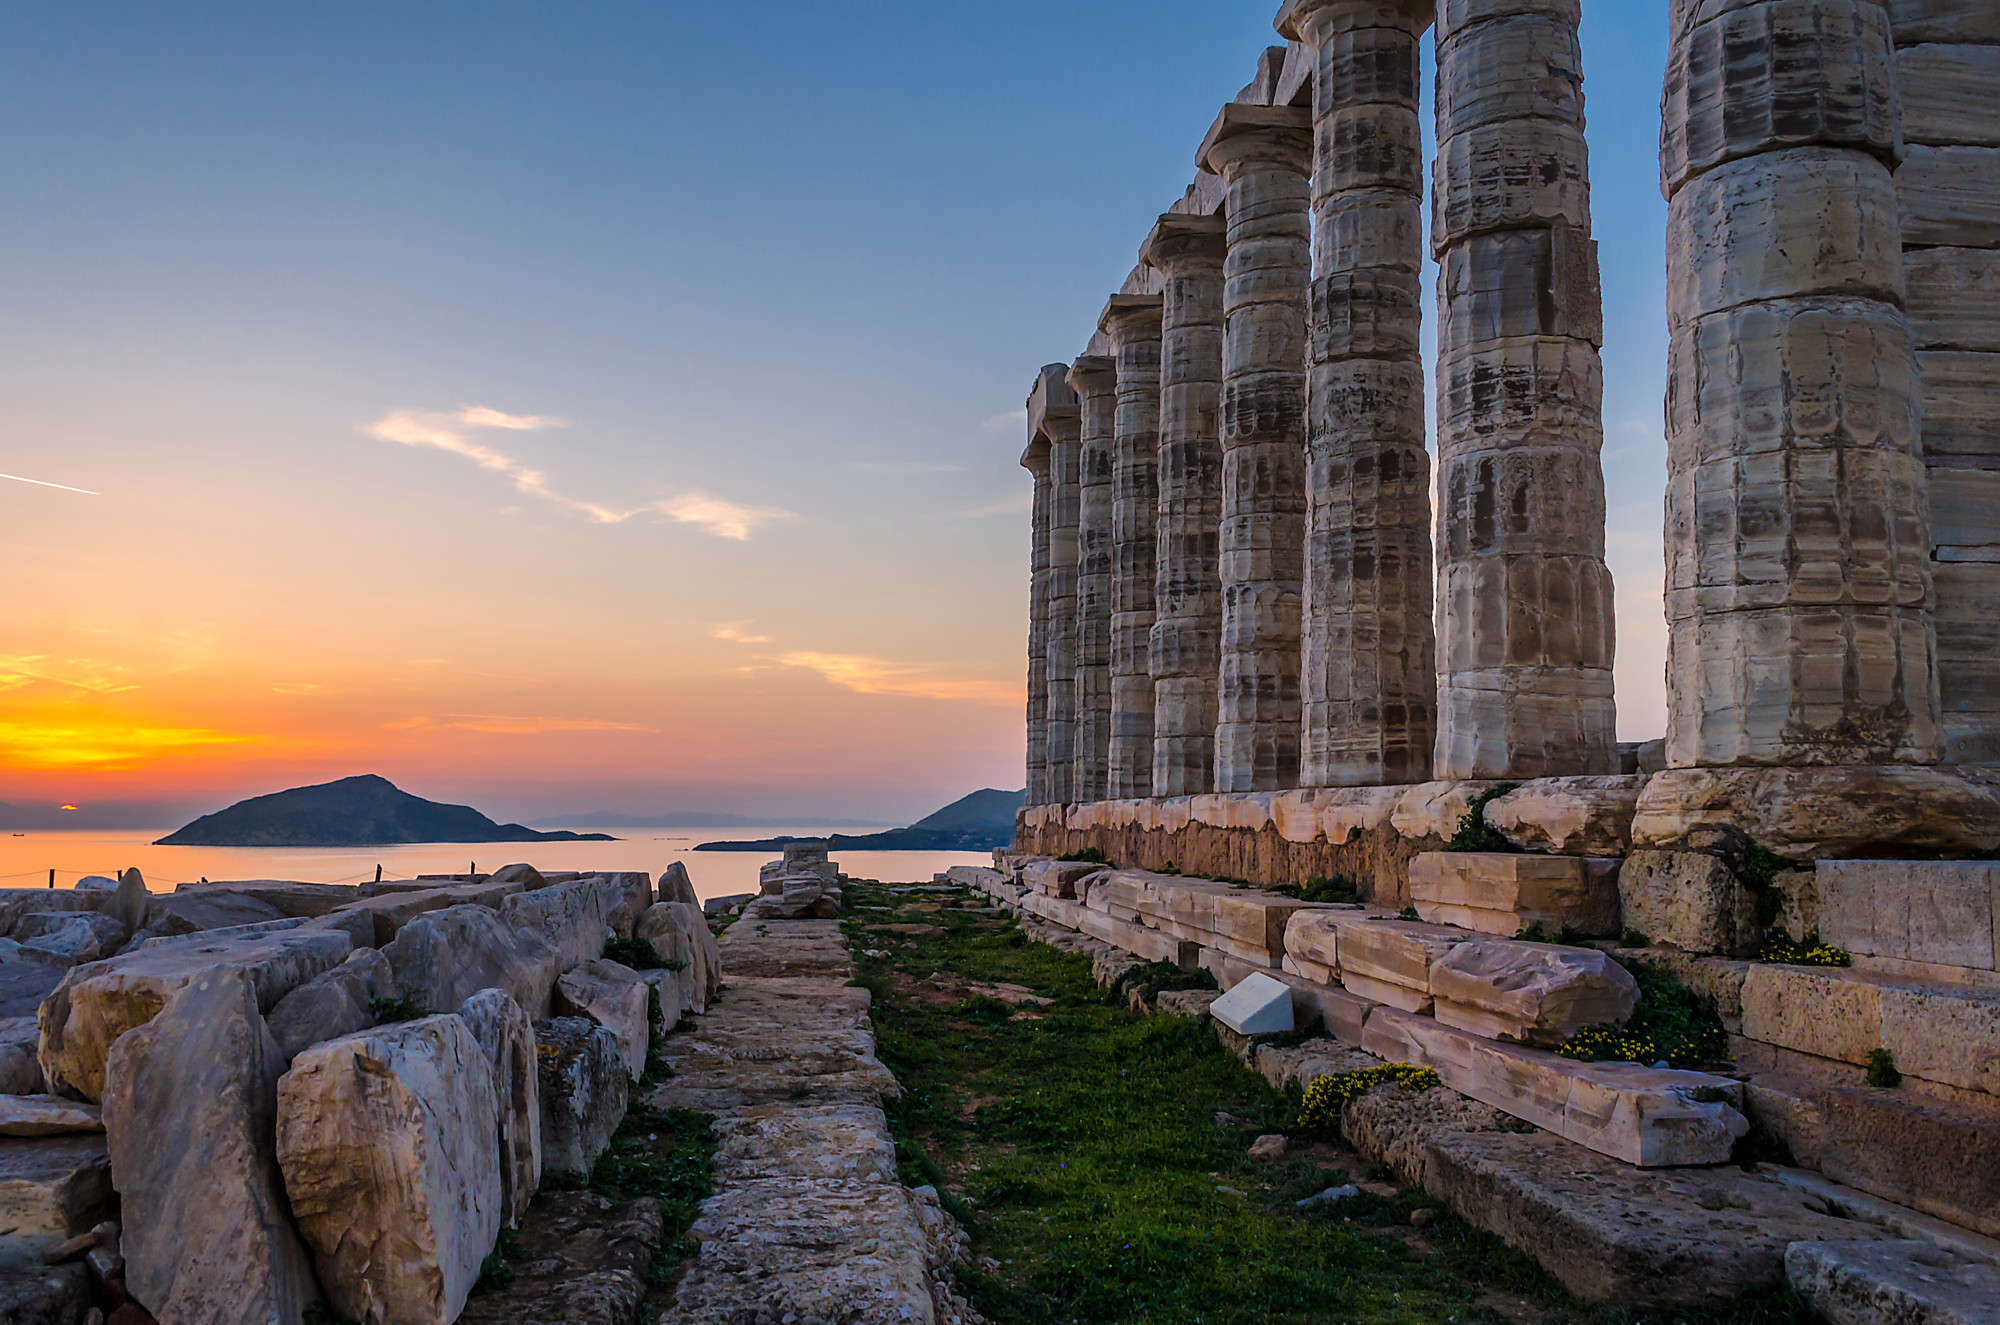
[
  {"x": 361, "y": 811},
  {"x": 982, "y": 821}
]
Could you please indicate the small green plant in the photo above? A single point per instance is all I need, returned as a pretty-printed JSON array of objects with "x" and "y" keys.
[
  {"x": 496, "y": 1272},
  {"x": 982, "y": 1005},
  {"x": 318, "y": 1314},
  {"x": 1474, "y": 833},
  {"x": 1882, "y": 1069},
  {"x": 1087, "y": 856},
  {"x": 1669, "y": 1025},
  {"x": 1339, "y": 888},
  {"x": 1152, "y": 979},
  {"x": 1408, "y": 913},
  {"x": 640, "y": 955},
  {"x": 389, "y": 1011},
  {"x": 1569, "y": 935},
  {"x": 1779, "y": 949},
  {"x": 1319, "y": 1114},
  {"x": 1632, "y": 938},
  {"x": 1168, "y": 868}
]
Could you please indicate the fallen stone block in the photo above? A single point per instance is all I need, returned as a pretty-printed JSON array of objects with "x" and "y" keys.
[
  {"x": 442, "y": 958},
  {"x": 1389, "y": 961},
  {"x": 17, "y": 902},
  {"x": 233, "y": 932},
  {"x": 676, "y": 886},
  {"x": 1533, "y": 993},
  {"x": 47, "y": 1115},
  {"x": 329, "y": 1006},
  {"x": 1058, "y": 878},
  {"x": 635, "y": 894},
  {"x": 1942, "y": 1159},
  {"x": 572, "y": 917},
  {"x": 1946, "y": 913},
  {"x": 207, "y": 1234},
  {"x": 1394, "y": 1125},
  {"x": 94, "y": 1005},
  {"x": 299, "y": 900},
  {"x": 1191, "y": 1003},
  {"x": 719, "y": 906},
  {"x": 1816, "y": 813},
  {"x": 1893, "y": 1283},
  {"x": 192, "y": 912},
  {"x": 1257, "y": 1006},
  {"x": 616, "y": 998},
  {"x": 386, "y": 1142},
  {"x": 22, "y": 989},
  {"x": 20, "y": 1069},
  {"x": 1501, "y": 893},
  {"x": 705, "y": 974},
  {"x": 669, "y": 927},
  {"x": 527, "y": 876},
  {"x": 1610, "y": 1233},
  {"x": 508, "y": 1039},
  {"x": 1649, "y": 1117},
  {"x": 71, "y": 937},
  {"x": 582, "y": 1083},
  {"x": 390, "y": 911},
  {"x": 35, "y": 1294},
  {"x": 53, "y": 1188},
  {"x": 1942, "y": 1033}
]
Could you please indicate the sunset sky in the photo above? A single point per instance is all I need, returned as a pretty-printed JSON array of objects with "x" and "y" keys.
[{"x": 601, "y": 406}]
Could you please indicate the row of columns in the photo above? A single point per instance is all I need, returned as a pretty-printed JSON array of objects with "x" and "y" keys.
[{"x": 1252, "y": 610}]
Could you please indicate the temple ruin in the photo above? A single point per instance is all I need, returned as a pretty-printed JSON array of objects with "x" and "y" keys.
[{"x": 1335, "y": 657}]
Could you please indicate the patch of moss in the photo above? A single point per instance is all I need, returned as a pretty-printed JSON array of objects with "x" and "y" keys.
[
  {"x": 496, "y": 1272},
  {"x": 1409, "y": 913},
  {"x": 1569, "y": 935},
  {"x": 639, "y": 955},
  {"x": 1474, "y": 833},
  {"x": 1087, "y": 856},
  {"x": 390, "y": 1011},
  {"x": 1155, "y": 978},
  {"x": 1882, "y": 1070}
]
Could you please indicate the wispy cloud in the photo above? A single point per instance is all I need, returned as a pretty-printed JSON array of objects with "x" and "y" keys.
[
  {"x": 85, "y": 674},
  {"x": 879, "y": 676},
  {"x": 508, "y": 725},
  {"x": 733, "y": 630},
  {"x": 903, "y": 467},
  {"x": 296, "y": 688},
  {"x": 1014, "y": 505},
  {"x": 448, "y": 432},
  {"x": 1013, "y": 418}
]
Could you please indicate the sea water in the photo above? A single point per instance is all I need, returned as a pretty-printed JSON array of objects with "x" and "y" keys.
[{"x": 25, "y": 861}]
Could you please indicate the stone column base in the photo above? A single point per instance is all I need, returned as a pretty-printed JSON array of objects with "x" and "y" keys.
[{"x": 1851, "y": 811}]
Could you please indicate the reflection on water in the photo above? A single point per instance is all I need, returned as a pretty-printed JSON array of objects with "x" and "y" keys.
[{"x": 25, "y": 861}]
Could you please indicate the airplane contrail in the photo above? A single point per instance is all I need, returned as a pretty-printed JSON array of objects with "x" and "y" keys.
[{"x": 64, "y": 486}]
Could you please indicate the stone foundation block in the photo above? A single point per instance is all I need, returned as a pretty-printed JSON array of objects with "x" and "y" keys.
[
  {"x": 52, "y": 1188},
  {"x": 1610, "y": 1234},
  {"x": 1574, "y": 816},
  {"x": 1532, "y": 993},
  {"x": 1893, "y": 1283},
  {"x": 508, "y": 1037},
  {"x": 1398, "y": 952},
  {"x": 1307, "y": 969},
  {"x": 1689, "y": 900},
  {"x": 1401, "y": 997},
  {"x": 1837, "y": 812},
  {"x": 1649, "y": 1117},
  {"x": 1151, "y": 944},
  {"x": 442, "y": 958},
  {"x": 1946, "y": 913},
  {"x": 583, "y": 1087},
  {"x": 616, "y": 998},
  {"x": 1500, "y": 893},
  {"x": 1940, "y": 1033},
  {"x": 1058, "y": 878}
]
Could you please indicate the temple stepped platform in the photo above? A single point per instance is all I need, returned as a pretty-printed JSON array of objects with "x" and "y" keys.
[{"x": 1618, "y": 1177}]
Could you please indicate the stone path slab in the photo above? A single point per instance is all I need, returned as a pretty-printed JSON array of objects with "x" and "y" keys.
[{"x": 808, "y": 1221}]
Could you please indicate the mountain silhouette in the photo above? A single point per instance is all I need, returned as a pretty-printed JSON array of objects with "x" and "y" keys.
[{"x": 361, "y": 811}]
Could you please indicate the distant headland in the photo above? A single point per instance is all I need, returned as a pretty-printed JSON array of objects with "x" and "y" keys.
[
  {"x": 979, "y": 822},
  {"x": 361, "y": 811}
]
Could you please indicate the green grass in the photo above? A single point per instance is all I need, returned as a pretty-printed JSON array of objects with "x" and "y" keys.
[{"x": 1078, "y": 1144}]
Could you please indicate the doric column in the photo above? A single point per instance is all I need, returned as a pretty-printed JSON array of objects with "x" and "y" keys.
[
  {"x": 1095, "y": 380},
  {"x": 1054, "y": 417},
  {"x": 1369, "y": 655},
  {"x": 1036, "y": 461},
  {"x": 1262, "y": 154},
  {"x": 1186, "y": 655},
  {"x": 1798, "y": 529},
  {"x": 1526, "y": 630},
  {"x": 1132, "y": 321}
]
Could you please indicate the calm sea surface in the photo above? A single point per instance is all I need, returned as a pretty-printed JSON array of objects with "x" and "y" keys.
[{"x": 25, "y": 861}]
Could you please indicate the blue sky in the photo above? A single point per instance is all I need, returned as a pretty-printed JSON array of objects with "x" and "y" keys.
[{"x": 784, "y": 273}]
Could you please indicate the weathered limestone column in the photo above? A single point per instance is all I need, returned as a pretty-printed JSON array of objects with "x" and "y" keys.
[
  {"x": 1526, "y": 629},
  {"x": 1186, "y": 650},
  {"x": 1369, "y": 658},
  {"x": 1054, "y": 417},
  {"x": 1262, "y": 154},
  {"x": 1798, "y": 529},
  {"x": 1095, "y": 380},
  {"x": 1132, "y": 321},
  {"x": 1948, "y": 195},
  {"x": 1036, "y": 461}
]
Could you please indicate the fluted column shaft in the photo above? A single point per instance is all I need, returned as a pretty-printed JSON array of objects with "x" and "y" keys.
[
  {"x": 1262, "y": 154},
  {"x": 1798, "y": 524},
  {"x": 1186, "y": 651},
  {"x": 1036, "y": 462},
  {"x": 1526, "y": 631},
  {"x": 1369, "y": 653},
  {"x": 1095, "y": 378},
  {"x": 1133, "y": 323},
  {"x": 1064, "y": 454}
]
